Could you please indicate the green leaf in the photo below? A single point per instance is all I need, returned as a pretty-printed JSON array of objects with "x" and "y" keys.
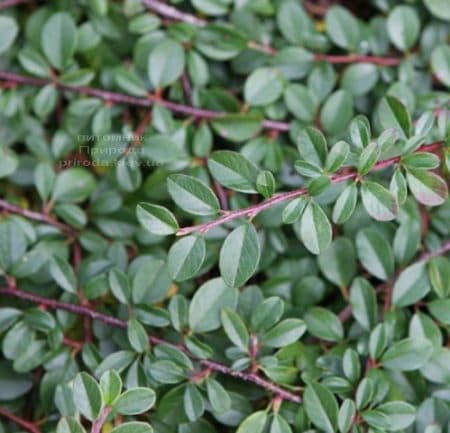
[
  {"x": 398, "y": 186},
  {"x": 293, "y": 22},
  {"x": 342, "y": 28},
  {"x": 299, "y": 100},
  {"x": 166, "y": 372},
  {"x": 375, "y": 253},
  {"x": 8, "y": 32},
  {"x": 239, "y": 255},
  {"x": 137, "y": 336},
  {"x": 233, "y": 171},
  {"x": 440, "y": 63},
  {"x": 400, "y": 414},
  {"x": 120, "y": 285},
  {"x": 421, "y": 160},
  {"x": 408, "y": 354},
  {"x": 133, "y": 427},
  {"x": 135, "y": 401},
  {"x": 235, "y": 329},
  {"x": 207, "y": 303},
  {"x": 324, "y": 324},
  {"x": 403, "y": 27},
  {"x": 293, "y": 211},
  {"x": 87, "y": 396},
  {"x": 440, "y": 310},
  {"x": 337, "y": 112},
  {"x": 237, "y": 127},
  {"x": 156, "y": 219},
  {"x": 192, "y": 195},
  {"x": 379, "y": 203},
  {"x": 321, "y": 407},
  {"x": 194, "y": 406},
  {"x": 73, "y": 185},
  {"x": 439, "y": 8},
  {"x": 369, "y": 156},
  {"x": 166, "y": 63},
  {"x": 338, "y": 262},
  {"x": 346, "y": 415},
  {"x": 360, "y": 78},
  {"x": 428, "y": 188},
  {"x": 263, "y": 86},
  {"x": 218, "y": 397},
  {"x": 360, "y": 133},
  {"x": 110, "y": 386},
  {"x": 337, "y": 156},
  {"x": 265, "y": 183},
  {"x": 279, "y": 425},
  {"x": 186, "y": 257},
  {"x": 266, "y": 314},
  {"x": 393, "y": 114},
  {"x": 284, "y": 333},
  {"x": 363, "y": 300},
  {"x": 63, "y": 274},
  {"x": 12, "y": 384},
  {"x": 439, "y": 274},
  {"x": 315, "y": 229},
  {"x": 8, "y": 161},
  {"x": 69, "y": 425},
  {"x": 411, "y": 286},
  {"x": 312, "y": 146},
  {"x": 59, "y": 39},
  {"x": 345, "y": 204},
  {"x": 129, "y": 81},
  {"x": 254, "y": 423}
]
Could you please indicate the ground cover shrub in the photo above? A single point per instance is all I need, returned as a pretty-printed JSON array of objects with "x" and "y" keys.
[{"x": 224, "y": 216}]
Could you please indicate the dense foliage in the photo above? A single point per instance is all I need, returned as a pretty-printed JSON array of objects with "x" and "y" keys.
[{"x": 224, "y": 216}]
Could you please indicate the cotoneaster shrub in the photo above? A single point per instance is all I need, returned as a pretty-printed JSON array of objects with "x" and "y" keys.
[{"x": 224, "y": 216}]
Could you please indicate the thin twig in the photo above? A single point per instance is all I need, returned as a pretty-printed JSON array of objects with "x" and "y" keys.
[
  {"x": 120, "y": 98},
  {"x": 113, "y": 321},
  {"x": 5, "y": 4},
  {"x": 282, "y": 197},
  {"x": 98, "y": 423},
  {"x": 174, "y": 14},
  {"x": 36, "y": 216},
  {"x": 29, "y": 426}
]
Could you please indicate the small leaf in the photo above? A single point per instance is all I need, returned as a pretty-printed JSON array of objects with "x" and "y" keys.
[
  {"x": 166, "y": 63},
  {"x": 363, "y": 300},
  {"x": 411, "y": 286},
  {"x": 342, "y": 27},
  {"x": 279, "y": 425},
  {"x": 73, "y": 185},
  {"x": 428, "y": 188},
  {"x": 218, "y": 397},
  {"x": 393, "y": 114},
  {"x": 312, "y": 146},
  {"x": 345, "y": 204},
  {"x": 293, "y": 211},
  {"x": 266, "y": 314},
  {"x": 346, "y": 415},
  {"x": 235, "y": 329},
  {"x": 133, "y": 427},
  {"x": 58, "y": 39},
  {"x": 439, "y": 274},
  {"x": 233, "y": 171},
  {"x": 324, "y": 324},
  {"x": 369, "y": 156},
  {"x": 156, "y": 219},
  {"x": 87, "y": 396},
  {"x": 265, "y": 183},
  {"x": 263, "y": 86},
  {"x": 192, "y": 195},
  {"x": 254, "y": 423},
  {"x": 135, "y": 401},
  {"x": 137, "y": 336},
  {"x": 408, "y": 354},
  {"x": 286, "y": 332},
  {"x": 111, "y": 386},
  {"x": 8, "y": 32},
  {"x": 207, "y": 303},
  {"x": 440, "y": 63},
  {"x": 194, "y": 406},
  {"x": 403, "y": 27},
  {"x": 63, "y": 274},
  {"x": 315, "y": 229},
  {"x": 378, "y": 201},
  {"x": 337, "y": 156},
  {"x": 375, "y": 253},
  {"x": 321, "y": 407},
  {"x": 400, "y": 414},
  {"x": 239, "y": 255},
  {"x": 186, "y": 257}
]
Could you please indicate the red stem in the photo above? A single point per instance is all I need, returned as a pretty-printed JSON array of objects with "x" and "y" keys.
[
  {"x": 10, "y": 3},
  {"x": 174, "y": 14},
  {"x": 98, "y": 423},
  {"x": 113, "y": 321},
  {"x": 36, "y": 216},
  {"x": 19, "y": 421},
  {"x": 279, "y": 198}
]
